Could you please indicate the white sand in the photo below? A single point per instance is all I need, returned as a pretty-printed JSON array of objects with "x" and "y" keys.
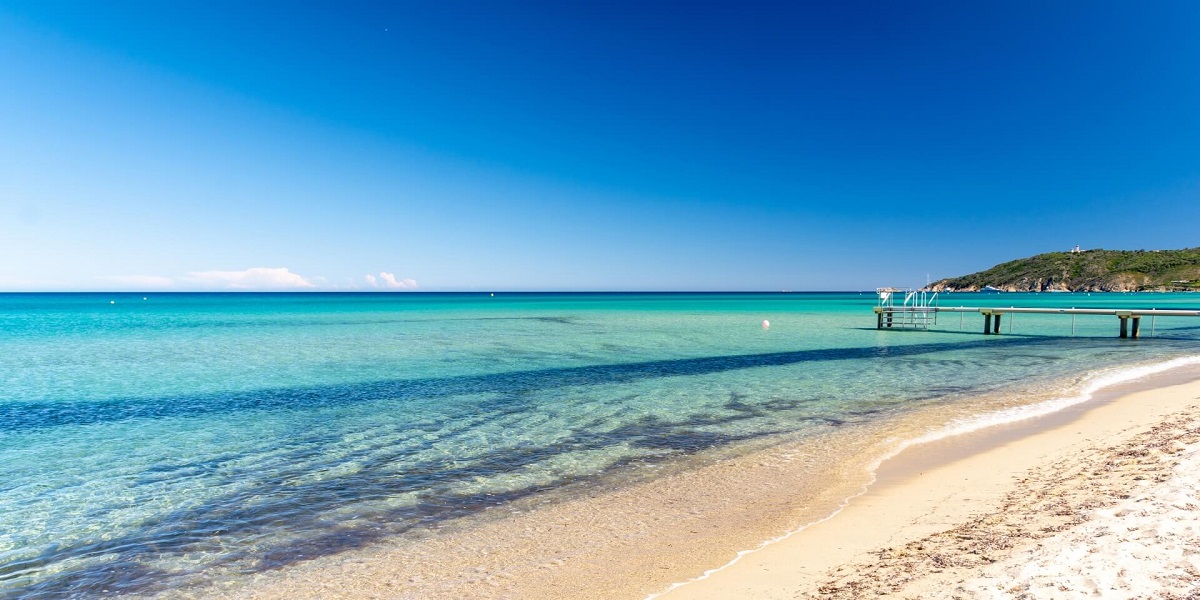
[{"x": 1148, "y": 544}]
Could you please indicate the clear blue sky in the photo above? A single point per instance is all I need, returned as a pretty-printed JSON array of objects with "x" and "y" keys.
[{"x": 586, "y": 146}]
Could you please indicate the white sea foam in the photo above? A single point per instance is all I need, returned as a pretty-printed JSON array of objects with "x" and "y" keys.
[{"x": 1094, "y": 383}]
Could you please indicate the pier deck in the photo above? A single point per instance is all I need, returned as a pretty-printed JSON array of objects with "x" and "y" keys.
[{"x": 991, "y": 315}]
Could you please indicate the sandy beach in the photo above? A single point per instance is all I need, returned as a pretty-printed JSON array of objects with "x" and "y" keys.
[{"x": 1096, "y": 500}]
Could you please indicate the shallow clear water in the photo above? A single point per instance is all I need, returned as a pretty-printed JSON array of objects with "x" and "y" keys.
[{"x": 145, "y": 439}]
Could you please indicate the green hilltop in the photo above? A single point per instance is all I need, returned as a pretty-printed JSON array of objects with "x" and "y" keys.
[{"x": 1088, "y": 271}]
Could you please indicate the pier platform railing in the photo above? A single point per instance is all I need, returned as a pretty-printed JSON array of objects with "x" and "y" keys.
[{"x": 917, "y": 310}]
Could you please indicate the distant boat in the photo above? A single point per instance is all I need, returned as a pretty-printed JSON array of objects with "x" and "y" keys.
[{"x": 990, "y": 290}]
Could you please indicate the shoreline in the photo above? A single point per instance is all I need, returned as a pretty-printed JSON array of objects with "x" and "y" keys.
[
  {"x": 637, "y": 539},
  {"x": 904, "y": 536}
]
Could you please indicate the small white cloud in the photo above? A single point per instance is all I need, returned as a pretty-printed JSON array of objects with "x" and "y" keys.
[
  {"x": 142, "y": 281},
  {"x": 390, "y": 282},
  {"x": 260, "y": 278}
]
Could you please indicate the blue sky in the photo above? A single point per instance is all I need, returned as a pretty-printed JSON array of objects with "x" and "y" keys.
[{"x": 586, "y": 146}]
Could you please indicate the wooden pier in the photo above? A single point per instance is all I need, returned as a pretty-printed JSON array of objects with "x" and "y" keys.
[{"x": 1129, "y": 319}]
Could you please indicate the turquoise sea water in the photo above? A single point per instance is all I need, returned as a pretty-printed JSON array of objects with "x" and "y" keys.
[{"x": 147, "y": 438}]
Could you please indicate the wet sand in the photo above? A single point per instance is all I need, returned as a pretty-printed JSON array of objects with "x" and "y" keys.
[
  {"x": 603, "y": 543},
  {"x": 939, "y": 516}
]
